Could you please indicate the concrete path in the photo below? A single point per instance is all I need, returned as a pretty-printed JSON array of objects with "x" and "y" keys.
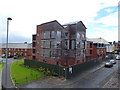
[{"x": 6, "y": 78}]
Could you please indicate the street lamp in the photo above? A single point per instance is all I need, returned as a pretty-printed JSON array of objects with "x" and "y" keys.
[{"x": 7, "y": 45}]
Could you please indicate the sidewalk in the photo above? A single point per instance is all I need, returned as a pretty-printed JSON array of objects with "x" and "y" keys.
[{"x": 9, "y": 83}]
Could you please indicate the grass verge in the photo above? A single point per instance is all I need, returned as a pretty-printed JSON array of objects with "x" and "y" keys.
[{"x": 21, "y": 74}]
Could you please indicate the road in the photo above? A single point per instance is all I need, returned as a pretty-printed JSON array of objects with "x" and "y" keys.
[
  {"x": 93, "y": 78},
  {"x": 96, "y": 79}
]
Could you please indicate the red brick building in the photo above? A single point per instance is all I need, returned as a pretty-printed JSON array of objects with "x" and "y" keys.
[
  {"x": 58, "y": 44},
  {"x": 89, "y": 50},
  {"x": 96, "y": 48},
  {"x": 14, "y": 49}
]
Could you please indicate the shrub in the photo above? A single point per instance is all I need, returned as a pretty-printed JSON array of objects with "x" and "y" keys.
[{"x": 41, "y": 69}]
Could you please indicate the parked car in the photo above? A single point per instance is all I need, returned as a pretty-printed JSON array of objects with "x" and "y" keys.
[
  {"x": 15, "y": 57},
  {"x": 117, "y": 57},
  {"x": 113, "y": 61},
  {"x": 109, "y": 64},
  {"x": 3, "y": 55}
]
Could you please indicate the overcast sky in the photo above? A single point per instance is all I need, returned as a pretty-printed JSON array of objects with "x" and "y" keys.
[{"x": 99, "y": 16}]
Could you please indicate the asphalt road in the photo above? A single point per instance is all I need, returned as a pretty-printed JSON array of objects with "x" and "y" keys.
[
  {"x": 93, "y": 78},
  {"x": 96, "y": 79}
]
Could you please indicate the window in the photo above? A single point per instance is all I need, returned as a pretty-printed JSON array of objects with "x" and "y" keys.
[
  {"x": 73, "y": 44},
  {"x": 55, "y": 54},
  {"x": 34, "y": 37},
  {"x": 45, "y": 44},
  {"x": 90, "y": 51},
  {"x": 34, "y": 51},
  {"x": 83, "y": 35},
  {"x": 55, "y": 44},
  {"x": 53, "y": 34},
  {"x": 90, "y": 45},
  {"x": 99, "y": 45},
  {"x": 66, "y": 44},
  {"x": 58, "y": 34},
  {"x": 34, "y": 57},
  {"x": 65, "y": 35},
  {"x": 78, "y": 44},
  {"x": 45, "y": 53},
  {"x": 43, "y": 34},
  {"x": 83, "y": 44},
  {"x": 81, "y": 51},
  {"x": 78, "y": 35},
  {"x": 34, "y": 44}
]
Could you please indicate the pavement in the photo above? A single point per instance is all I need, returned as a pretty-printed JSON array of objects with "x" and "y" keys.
[{"x": 6, "y": 78}]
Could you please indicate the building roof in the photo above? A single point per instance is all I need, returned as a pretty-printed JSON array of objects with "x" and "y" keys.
[
  {"x": 98, "y": 40},
  {"x": 75, "y": 22},
  {"x": 18, "y": 45},
  {"x": 87, "y": 39}
]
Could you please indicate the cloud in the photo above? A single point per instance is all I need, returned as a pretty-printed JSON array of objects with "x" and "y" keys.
[
  {"x": 109, "y": 20},
  {"x": 106, "y": 33},
  {"x": 26, "y": 14}
]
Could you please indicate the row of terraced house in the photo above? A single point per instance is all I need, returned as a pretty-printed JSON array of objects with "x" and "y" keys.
[{"x": 15, "y": 49}]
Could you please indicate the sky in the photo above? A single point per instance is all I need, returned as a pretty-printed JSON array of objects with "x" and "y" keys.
[{"x": 99, "y": 16}]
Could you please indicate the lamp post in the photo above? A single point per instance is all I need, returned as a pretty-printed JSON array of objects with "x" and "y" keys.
[{"x": 7, "y": 45}]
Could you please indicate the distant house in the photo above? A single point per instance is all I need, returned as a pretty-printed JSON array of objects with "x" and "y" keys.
[
  {"x": 98, "y": 47},
  {"x": 23, "y": 49},
  {"x": 58, "y": 44}
]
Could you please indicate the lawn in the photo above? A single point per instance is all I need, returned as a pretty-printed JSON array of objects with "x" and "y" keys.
[{"x": 21, "y": 74}]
